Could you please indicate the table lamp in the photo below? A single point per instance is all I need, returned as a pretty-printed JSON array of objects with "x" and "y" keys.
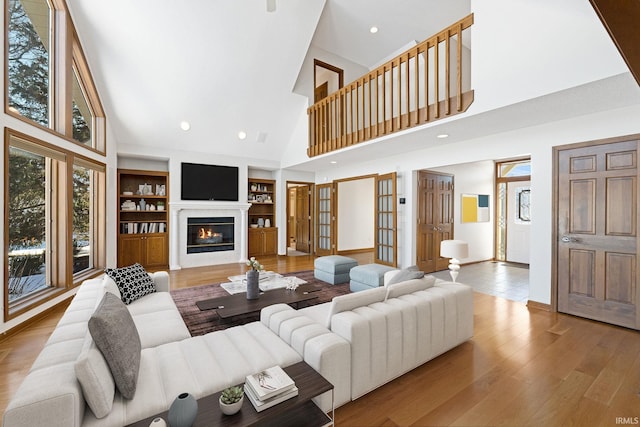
[{"x": 454, "y": 249}]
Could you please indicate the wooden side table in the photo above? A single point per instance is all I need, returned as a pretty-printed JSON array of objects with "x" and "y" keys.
[{"x": 294, "y": 412}]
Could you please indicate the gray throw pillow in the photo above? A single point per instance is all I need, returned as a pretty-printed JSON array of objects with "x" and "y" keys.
[
  {"x": 406, "y": 274},
  {"x": 133, "y": 282},
  {"x": 112, "y": 329}
]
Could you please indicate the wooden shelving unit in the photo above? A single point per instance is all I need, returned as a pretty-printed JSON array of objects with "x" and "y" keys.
[
  {"x": 263, "y": 233},
  {"x": 143, "y": 219}
]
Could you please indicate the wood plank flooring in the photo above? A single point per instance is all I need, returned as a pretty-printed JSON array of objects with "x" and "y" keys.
[{"x": 522, "y": 367}]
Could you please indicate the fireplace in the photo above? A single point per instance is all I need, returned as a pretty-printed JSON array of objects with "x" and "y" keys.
[{"x": 213, "y": 234}]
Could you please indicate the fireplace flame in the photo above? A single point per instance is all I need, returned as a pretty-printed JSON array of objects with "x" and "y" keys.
[{"x": 203, "y": 234}]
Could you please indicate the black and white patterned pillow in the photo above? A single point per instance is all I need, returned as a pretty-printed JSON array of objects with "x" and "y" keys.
[{"x": 132, "y": 281}]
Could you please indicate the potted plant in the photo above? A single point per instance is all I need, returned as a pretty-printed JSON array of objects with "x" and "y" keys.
[{"x": 231, "y": 400}]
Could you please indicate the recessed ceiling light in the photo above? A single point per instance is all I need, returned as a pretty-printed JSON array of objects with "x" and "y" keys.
[
  {"x": 333, "y": 162},
  {"x": 185, "y": 125},
  {"x": 242, "y": 134},
  {"x": 373, "y": 29},
  {"x": 442, "y": 135}
]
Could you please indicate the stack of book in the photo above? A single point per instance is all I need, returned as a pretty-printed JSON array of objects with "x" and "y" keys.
[{"x": 269, "y": 387}]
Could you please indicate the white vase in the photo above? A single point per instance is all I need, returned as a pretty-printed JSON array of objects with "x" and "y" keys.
[
  {"x": 267, "y": 222},
  {"x": 230, "y": 409},
  {"x": 158, "y": 422}
]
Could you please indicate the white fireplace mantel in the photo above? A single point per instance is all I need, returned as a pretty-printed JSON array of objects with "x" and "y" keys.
[{"x": 180, "y": 211}]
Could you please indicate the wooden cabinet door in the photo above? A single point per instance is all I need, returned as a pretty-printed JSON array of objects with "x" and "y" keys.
[
  {"x": 156, "y": 253},
  {"x": 130, "y": 250},
  {"x": 270, "y": 241},
  {"x": 597, "y": 232},
  {"x": 435, "y": 219},
  {"x": 255, "y": 242}
]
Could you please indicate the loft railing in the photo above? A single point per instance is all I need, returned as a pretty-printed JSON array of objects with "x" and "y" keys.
[{"x": 428, "y": 82}]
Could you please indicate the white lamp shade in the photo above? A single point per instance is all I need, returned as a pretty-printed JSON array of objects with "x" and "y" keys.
[{"x": 454, "y": 249}]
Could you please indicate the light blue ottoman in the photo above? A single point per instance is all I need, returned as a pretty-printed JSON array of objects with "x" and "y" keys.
[
  {"x": 333, "y": 269},
  {"x": 367, "y": 276}
]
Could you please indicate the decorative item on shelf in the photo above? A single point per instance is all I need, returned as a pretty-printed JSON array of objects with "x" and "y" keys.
[
  {"x": 253, "y": 278},
  {"x": 254, "y": 225},
  {"x": 143, "y": 205},
  {"x": 268, "y": 199},
  {"x": 231, "y": 400},
  {"x": 267, "y": 222},
  {"x": 160, "y": 205},
  {"x": 158, "y": 422},
  {"x": 128, "y": 205},
  {"x": 183, "y": 411},
  {"x": 260, "y": 222},
  {"x": 254, "y": 187},
  {"x": 160, "y": 190},
  {"x": 454, "y": 249},
  {"x": 259, "y": 198}
]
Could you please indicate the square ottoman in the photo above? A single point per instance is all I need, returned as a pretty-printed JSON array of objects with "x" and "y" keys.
[
  {"x": 333, "y": 269},
  {"x": 367, "y": 276}
]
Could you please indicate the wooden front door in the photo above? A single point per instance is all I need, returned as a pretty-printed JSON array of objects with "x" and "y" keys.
[
  {"x": 435, "y": 219},
  {"x": 597, "y": 231}
]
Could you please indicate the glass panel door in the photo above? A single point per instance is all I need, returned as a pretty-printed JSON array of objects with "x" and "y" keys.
[
  {"x": 324, "y": 220},
  {"x": 386, "y": 220}
]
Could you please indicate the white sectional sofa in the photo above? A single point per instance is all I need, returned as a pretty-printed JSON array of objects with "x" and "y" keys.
[
  {"x": 358, "y": 342},
  {"x": 171, "y": 361}
]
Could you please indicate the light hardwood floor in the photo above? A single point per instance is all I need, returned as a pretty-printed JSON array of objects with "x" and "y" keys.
[{"x": 522, "y": 367}]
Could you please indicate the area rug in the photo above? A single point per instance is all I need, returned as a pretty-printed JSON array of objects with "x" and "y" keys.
[{"x": 201, "y": 322}]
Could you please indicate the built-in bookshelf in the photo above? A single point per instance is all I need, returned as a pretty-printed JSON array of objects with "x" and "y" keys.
[
  {"x": 143, "y": 218},
  {"x": 263, "y": 233}
]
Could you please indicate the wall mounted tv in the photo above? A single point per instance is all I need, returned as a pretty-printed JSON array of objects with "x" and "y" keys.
[{"x": 209, "y": 182}]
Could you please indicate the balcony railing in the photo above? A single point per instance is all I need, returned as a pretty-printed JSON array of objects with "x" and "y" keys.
[{"x": 428, "y": 82}]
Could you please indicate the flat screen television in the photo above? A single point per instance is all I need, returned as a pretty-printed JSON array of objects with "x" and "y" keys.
[{"x": 209, "y": 182}]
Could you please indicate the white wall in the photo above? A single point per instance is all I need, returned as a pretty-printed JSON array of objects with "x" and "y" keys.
[
  {"x": 523, "y": 49},
  {"x": 355, "y": 214}
]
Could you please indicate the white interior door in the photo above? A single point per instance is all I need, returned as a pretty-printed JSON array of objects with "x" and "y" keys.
[{"x": 518, "y": 221}]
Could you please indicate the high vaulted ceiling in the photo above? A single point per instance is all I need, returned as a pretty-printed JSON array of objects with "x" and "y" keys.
[{"x": 230, "y": 65}]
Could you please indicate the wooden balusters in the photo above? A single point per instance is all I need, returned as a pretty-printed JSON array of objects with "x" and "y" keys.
[{"x": 379, "y": 103}]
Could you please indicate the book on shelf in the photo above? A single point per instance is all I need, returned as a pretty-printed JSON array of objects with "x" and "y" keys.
[
  {"x": 261, "y": 405},
  {"x": 269, "y": 382}
]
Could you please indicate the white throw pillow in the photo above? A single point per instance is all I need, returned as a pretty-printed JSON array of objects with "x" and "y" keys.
[{"x": 94, "y": 376}]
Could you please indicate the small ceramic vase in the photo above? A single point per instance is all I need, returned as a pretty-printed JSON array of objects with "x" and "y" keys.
[
  {"x": 267, "y": 222},
  {"x": 158, "y": 422},
  {"x": 253, "y": 287},
  {"x": 183, "y": 411}
]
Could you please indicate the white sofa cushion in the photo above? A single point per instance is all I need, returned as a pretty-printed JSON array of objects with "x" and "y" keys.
[
  {"x": 95, "y": 377},
  {"x": 357, "y": 299},
  {"x": 410, "y": 286},
  {"x": 157, "y": 320}
]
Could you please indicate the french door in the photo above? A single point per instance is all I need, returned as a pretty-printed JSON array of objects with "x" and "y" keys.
[
  {"x": 386, "y": 220},
  {"x": 325, "y": 219}
]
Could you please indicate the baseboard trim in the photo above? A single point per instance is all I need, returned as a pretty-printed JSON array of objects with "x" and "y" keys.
[{"x": 538, "y": 305}]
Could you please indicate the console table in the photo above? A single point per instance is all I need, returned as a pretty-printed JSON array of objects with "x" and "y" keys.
[{"x": 294, "y": 412}]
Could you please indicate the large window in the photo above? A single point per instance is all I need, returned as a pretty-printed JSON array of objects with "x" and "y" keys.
[
  {"x": 47, "y": 253},
  {"x": 41, "y": 87},
  {"x": 28, "y": 67}
]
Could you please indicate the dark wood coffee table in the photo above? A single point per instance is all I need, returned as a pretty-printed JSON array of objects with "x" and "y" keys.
[
  {"x": 294, "y": 412},
  {"x": 238, "y": 304}
]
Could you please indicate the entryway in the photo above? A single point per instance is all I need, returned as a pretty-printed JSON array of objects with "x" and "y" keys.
[{"x": 299, "y": 218}]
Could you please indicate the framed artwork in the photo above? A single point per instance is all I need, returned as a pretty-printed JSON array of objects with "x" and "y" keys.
[{"x": 475, "y": 208}]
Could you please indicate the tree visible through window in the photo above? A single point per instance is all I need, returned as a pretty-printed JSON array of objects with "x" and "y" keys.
[
  {"x": 81, "y": 218},
  {"x": 27, "y": 223},
  {"x": 28, "y": 60}
]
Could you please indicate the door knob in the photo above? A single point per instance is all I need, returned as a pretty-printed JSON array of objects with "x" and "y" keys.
[{"x": 568, "y": 239}]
